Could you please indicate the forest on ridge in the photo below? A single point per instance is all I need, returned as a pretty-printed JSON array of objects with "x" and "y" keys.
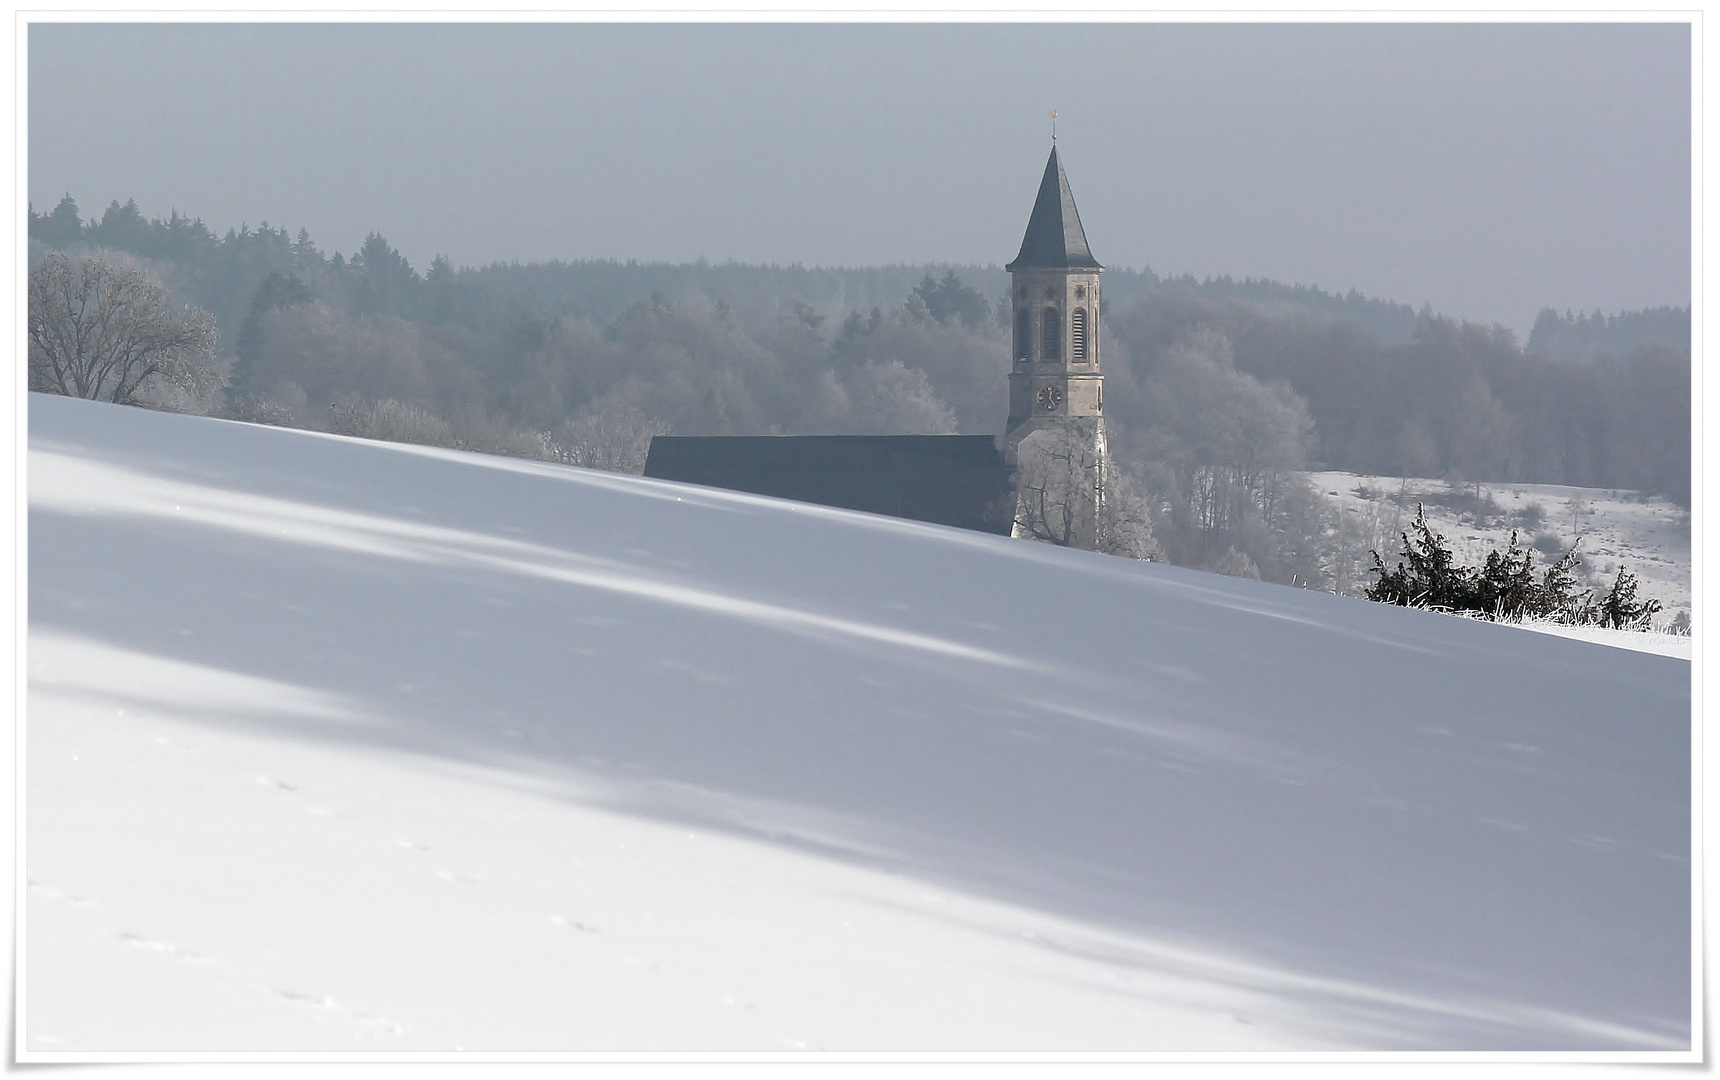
[{"x": 1220, "y": 392}]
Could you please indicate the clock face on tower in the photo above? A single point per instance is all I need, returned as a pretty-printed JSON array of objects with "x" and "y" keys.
[{"x": 1049, "y": 398}]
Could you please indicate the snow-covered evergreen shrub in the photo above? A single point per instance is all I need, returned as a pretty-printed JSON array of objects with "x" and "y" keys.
[{"x": 1505, "y": 587}]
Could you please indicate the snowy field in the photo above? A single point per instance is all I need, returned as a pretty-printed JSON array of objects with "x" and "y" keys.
[
  {"x": 1650, "y": 537},
  {"x": 349, "y": 747}
]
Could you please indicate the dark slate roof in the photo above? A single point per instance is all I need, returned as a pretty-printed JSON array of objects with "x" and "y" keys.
[
  {"x": 1054, "y": 237},
  {"x": 958, "y": 480}
]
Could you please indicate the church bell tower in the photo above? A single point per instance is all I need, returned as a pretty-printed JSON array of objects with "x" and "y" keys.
[{"x": 1055, "y": 382}]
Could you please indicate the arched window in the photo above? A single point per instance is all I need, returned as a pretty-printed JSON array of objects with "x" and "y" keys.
[
  {"x": 1078, "y": 335},
  {"x": 1053, "y": 333},
  {"x": 1023, "y": 335}
]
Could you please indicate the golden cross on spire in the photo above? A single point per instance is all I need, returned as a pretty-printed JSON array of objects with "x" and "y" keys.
[{"x": 1053, "y": 125}]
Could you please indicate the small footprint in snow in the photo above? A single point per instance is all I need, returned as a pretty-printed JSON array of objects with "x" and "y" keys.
[
  {"x": 321, "y": 1002},
  {"x": 49, "y": 893},
  {"x": 161, "y": 947},
  {"x": 559, "y": 921},
  {"x": 381, "y": 1022}
]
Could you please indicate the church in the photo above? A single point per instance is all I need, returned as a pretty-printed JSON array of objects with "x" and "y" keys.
[{"x": 985, "y": 482}]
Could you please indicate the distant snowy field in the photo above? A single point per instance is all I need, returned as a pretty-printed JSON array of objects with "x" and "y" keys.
[
  {"x": 1650, "y": 537},
  {"x": 347, "y": 746}
]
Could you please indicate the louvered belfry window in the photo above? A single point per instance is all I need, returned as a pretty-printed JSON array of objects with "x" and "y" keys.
[
  {"x": 1023, "y": 334},
  {"x": 1078, "y": 335},
  {"x": 1053, "y": 334}
]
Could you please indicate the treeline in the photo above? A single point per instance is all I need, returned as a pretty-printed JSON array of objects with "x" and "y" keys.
[
  {"x": 224, "y": 272},
  {"x": 1584, "y": 339},
  {"x": 1456, "y": 400},
  {"x": 1218, "y": 391}
]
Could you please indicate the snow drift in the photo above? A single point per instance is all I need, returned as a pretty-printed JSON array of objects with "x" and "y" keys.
[{"x": 337, "y": 745}]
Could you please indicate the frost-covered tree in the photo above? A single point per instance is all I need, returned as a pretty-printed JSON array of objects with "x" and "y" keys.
[
  {"x": 1508, "y": 579},
  {"x": 1505, "y": 587},
  {"x": 1428, "y": 574},
  {"x": 891, "y": 398},
  {"x": 611, "y": 436},
  {"x": 1065, "y": 493},
  {"x": 1058, "y": 473},
  {"x": 391, "y": 421},
  {"x": 1125, "y": 519},
  {"x": 1621, "y": 610},
  {"x": 103, "y": 329},
  {"x": 1223, "y": 453}
]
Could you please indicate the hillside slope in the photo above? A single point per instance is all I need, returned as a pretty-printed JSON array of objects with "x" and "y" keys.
[{"x": 336, "y": 745}]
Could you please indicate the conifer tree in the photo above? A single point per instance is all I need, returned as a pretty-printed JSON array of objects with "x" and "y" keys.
[
  {"x": 1432, "y": 577},
  {"x": 1505, "y": 586},
  {"x": 277, "y": 291},
  {"x": 1508, "y": 582},
  {"x": 1558, "y": 599},
  {"x": 1621, "y": 610}
]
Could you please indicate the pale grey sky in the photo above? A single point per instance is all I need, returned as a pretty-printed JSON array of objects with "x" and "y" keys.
[{"x": 1488, "y": 170}]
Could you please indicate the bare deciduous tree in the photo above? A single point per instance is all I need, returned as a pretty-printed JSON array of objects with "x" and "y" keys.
[
  {"x": 391, "y": 421},
  {"x": 1057, "y": 481},
  {"x": 1224, "y": 452},
  {"x": 1067, "y": 495},
  {"x": 1125, "y": 519},
  {"x": 616, "y": 439},
  {"x": 105, "y": 330}
]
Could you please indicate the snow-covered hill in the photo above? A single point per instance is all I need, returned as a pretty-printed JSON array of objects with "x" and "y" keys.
[{"x": 347, "y": 746}]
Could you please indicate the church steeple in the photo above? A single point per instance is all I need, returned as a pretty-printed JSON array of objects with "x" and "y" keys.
[
  {"x": 1054, "y": 238},
  {"x": 1056, "y": 385}
]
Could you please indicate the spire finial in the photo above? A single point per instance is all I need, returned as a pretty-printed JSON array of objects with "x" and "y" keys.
[{"x": 1053, "y": 125}]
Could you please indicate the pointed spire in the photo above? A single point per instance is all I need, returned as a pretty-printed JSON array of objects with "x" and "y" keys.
[{"x": 1054, "y": 237}]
